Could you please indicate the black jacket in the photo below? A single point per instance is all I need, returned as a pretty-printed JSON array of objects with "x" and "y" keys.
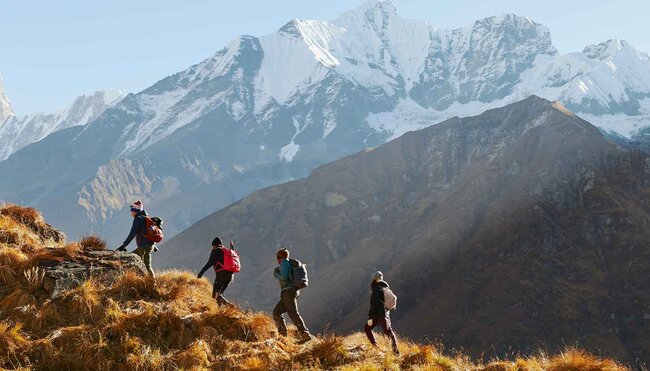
[
  {"x": 138, "y": 230},
  {"x": 216, "y": 256},
  {"x": 377, "y": 308}
]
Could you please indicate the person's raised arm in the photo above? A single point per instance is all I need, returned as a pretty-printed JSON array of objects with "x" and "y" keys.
[
  {"x": 214, "y": 258},
  {"x": 131, "y": 236}
]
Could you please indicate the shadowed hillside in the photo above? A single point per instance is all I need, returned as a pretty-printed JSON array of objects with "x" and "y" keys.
[
  {"x": 518, "y": 228},
  {"x": 116, "y": 319}
]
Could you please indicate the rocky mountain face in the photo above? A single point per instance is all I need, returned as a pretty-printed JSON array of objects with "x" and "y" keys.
[
  {"x": 519, "y": 227},
  {"x": 264, "y": 110},
  {"x": 17, "y": 132}
]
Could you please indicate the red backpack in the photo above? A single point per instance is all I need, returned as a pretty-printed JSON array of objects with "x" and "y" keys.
[
  {"x": 230, "y": 261},
  {"x": 154, "y": 231}
]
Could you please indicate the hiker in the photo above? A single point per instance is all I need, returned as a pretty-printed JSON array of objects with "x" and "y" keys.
[
  {"x": 289, "y": 293},
  {"x": 225, "y": 263},
  {"x": 140, "y": 231},
  {"x": 380, "y": 306}
]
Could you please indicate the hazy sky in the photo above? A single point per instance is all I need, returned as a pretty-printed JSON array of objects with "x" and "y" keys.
[{"x": 53, "y": 51}]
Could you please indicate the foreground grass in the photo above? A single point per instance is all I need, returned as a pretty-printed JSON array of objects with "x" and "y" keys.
[{"x": 173, "y": 323}]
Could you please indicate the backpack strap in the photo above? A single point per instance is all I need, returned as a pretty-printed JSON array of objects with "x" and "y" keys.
[{"x": 223, "y": 256}]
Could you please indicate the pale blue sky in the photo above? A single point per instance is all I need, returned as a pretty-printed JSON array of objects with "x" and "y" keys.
[{"x": 53, "y": 51}]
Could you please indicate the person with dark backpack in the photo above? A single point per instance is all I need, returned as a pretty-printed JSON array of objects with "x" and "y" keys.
[
  {"x": 226, "y": 263},
  {"x": 147, "y": 231},
  {"x": 382, "y": 301},
  {"x": 292, "y": 276}
]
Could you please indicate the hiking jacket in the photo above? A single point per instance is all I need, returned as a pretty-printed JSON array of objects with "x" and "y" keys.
[
  {"x": 377, "y": 309},
  {"x": 138, "y": 230},
  {"x": 284, "y": 274},
  {"x": 216, "y": 256}
]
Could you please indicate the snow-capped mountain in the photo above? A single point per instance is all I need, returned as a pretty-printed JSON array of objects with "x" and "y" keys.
[
  {"x": 267, "y": 109},
  {"x": 5, "y": 104},
  {"x": 406, "y": 66},
  {"x": 18, "y": 131}
]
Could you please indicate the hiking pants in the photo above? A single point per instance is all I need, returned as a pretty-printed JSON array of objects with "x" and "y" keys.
[
  {"x": 288, "y": 303},
  {"x": 384, "y": 322},
  {"x": 144, "y": 253},
  {"x": 221, "y": 281}
]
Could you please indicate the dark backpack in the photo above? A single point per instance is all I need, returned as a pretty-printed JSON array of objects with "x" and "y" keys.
[
  {"x": 299, "y": 270},
  {"x": 154, "y": 232}
]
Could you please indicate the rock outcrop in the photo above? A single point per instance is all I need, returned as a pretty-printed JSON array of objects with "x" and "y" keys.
[{"x": 104, "y": 267}]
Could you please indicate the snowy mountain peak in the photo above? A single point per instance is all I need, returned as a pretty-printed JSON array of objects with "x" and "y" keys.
[
  {"x": 508, "y": 18},
  {"x": 607, "y": 49},
  {"x": 520, "y": 27},
  {"x": 17, "y": 132},
  {"x": 384, "y": 8},
  {"x": 290, "y": 29},
  {"x": 89, "y": 106},
  {"x": 5, "y": 104},
  {"x": 377, "y": 15}
]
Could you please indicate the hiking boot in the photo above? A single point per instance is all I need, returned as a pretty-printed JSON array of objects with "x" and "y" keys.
[{"x": 305, "y": 337}]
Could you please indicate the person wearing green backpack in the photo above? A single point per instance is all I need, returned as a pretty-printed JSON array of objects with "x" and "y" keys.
[{"x": 286, "y": 274}]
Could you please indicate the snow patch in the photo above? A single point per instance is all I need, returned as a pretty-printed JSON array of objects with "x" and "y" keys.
[{"x": 288, "y": 152}]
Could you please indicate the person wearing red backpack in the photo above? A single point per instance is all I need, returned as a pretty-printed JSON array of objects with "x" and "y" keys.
[
  {"x": 226, "y": 264},
  {"x": 139, "y": 232},
  {"x": 382, "y": 300}
]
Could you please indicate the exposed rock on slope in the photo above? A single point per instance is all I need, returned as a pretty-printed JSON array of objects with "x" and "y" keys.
[
  {"x": 61, "y": 273},
  {"x": 519, "y": 226},
  {"x": 31, "y": 246}
]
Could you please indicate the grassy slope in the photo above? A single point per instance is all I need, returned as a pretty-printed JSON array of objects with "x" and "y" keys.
[{"x": 171, "y": 323}]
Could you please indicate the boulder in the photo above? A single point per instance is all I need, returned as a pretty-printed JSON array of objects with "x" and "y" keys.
[{"x": 103, "y": 266}]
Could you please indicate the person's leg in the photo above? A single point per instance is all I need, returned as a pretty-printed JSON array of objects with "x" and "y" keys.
[
  {"x": 215, "y": 287},
  {"x": 139, "y": 252},
  {"x": 222, "y": 280},
  {"x": 388, "y": 330},
  {"x": 278, "y": 317},
  {"x": 290, "y": 299},
  {"x": 146, "y": 258},
  {"x": 368, "y": 330}
]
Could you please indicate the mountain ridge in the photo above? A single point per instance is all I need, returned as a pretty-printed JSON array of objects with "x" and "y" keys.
[
  {"x": 528, "y": 200},
  {"x": 16, "y": 132},
  {"x": 278, "y": 105}
]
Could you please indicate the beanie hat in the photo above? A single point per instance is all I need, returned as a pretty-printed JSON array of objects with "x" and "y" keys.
[
  {"x": 282, "y": 254},
  {"x": 136, "y": 206},
  {"x": 217, "y": 241},
  {"x": 377, "y": 276}
]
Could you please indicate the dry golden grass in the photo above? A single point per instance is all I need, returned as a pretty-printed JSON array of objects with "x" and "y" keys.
[
  {"x": 198, "y": 354},
  {"x": 93, "y": 243},
  {"x": 17, "y": 235},
  {"x": 11, "y": 341},
  {"x": 327, "y": 353},
  {"x": 33, "y": 220},
  {"x": 576, "y": 359},
  {"x": 172, "y": 322}
]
